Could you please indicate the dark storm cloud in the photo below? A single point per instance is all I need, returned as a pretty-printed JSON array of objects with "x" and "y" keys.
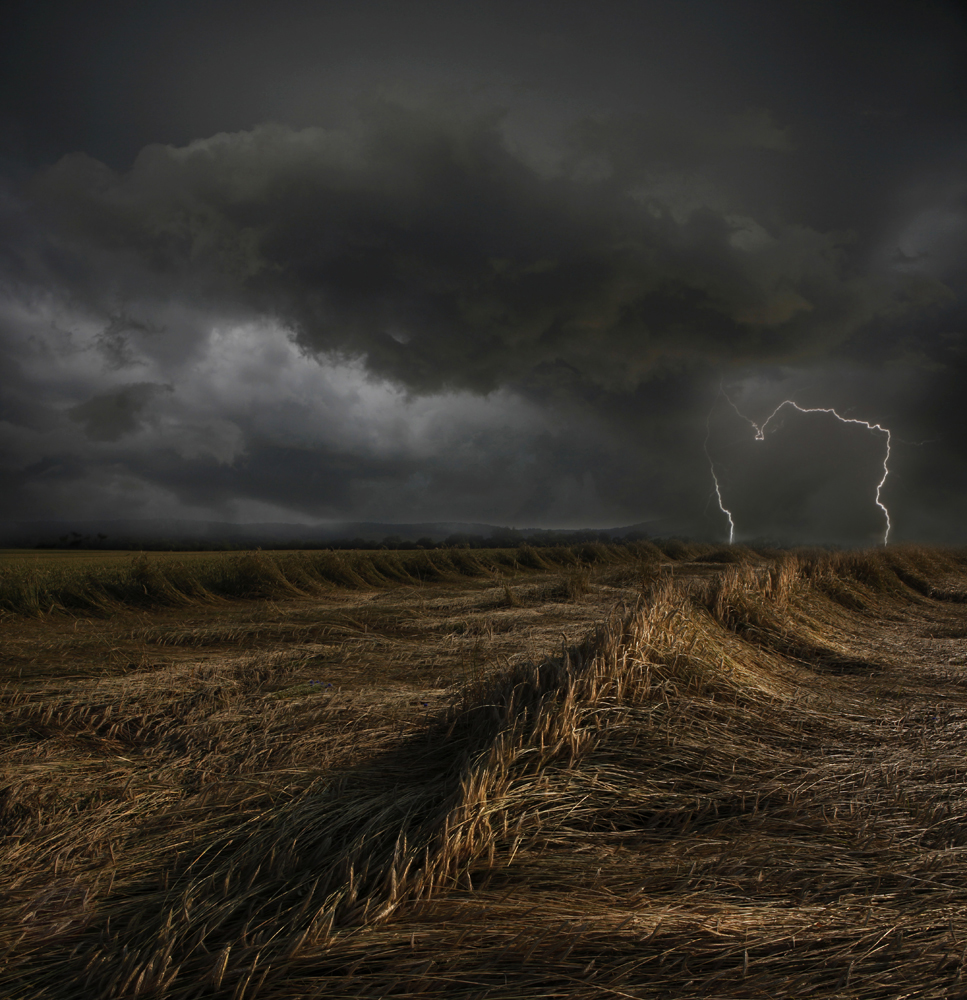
[
  {"x": 112, "y": 415},
  {"x": 424, "y": 244},
  {"x": 518, "y": 248}
]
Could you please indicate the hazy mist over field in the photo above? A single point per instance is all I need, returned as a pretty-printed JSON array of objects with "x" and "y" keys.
[{"x": 490, "y": 262}]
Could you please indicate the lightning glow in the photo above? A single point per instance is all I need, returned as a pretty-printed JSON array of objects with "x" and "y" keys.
[
  {"x": 760, "y": 434},
  {"x": 715, "y": 478}
]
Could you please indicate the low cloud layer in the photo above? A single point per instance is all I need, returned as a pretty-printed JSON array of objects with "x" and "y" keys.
[
  {"x": 434, "y": 308},
  {"x": 430, "y": 249}
]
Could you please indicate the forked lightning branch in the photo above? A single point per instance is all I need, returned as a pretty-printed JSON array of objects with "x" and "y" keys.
[{"x": 760, "y": 434}]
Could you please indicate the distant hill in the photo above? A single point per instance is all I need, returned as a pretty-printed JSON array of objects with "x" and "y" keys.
[{"x": 176, "y": 534}]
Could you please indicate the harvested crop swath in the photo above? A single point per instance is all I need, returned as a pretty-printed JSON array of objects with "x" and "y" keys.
[
  {"x": 739, "y": 787},
  {"x": 105, "y": 583}
]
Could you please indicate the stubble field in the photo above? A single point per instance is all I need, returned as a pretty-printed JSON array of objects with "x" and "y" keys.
[{"x": 591, "y": 772}]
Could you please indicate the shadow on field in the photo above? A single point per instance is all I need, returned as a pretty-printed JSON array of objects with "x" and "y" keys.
[{"x": 709, "y": 796}]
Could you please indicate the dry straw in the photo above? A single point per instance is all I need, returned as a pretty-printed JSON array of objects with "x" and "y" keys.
[{"x": 740, "y": 787}]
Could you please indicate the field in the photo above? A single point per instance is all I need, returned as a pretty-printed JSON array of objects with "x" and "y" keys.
[{"x": 602, "y": 771}]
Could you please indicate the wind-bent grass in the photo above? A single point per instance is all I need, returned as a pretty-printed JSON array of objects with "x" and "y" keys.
[
  {"x": 732, "y": 789},
  {"x": 102, "y": 582}
]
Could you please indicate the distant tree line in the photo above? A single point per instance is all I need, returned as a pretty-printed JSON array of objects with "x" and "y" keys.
[
  {"x": 507, "y": 539},
  {"x": 75, "y": 540}
]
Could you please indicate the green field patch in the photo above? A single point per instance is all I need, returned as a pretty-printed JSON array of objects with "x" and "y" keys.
[{"x": 305, "y": 689}]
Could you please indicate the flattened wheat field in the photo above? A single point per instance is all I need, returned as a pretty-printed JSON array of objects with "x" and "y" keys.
[{"x": 636, "y": 771}]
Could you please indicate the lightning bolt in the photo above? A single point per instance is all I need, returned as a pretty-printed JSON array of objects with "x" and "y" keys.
[
  {"x": 711, "y": 465},
  {"x": 760, "y": 434}
]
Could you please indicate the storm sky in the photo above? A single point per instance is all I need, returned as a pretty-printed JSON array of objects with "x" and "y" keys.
[{"x": 518, "y": 263}]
